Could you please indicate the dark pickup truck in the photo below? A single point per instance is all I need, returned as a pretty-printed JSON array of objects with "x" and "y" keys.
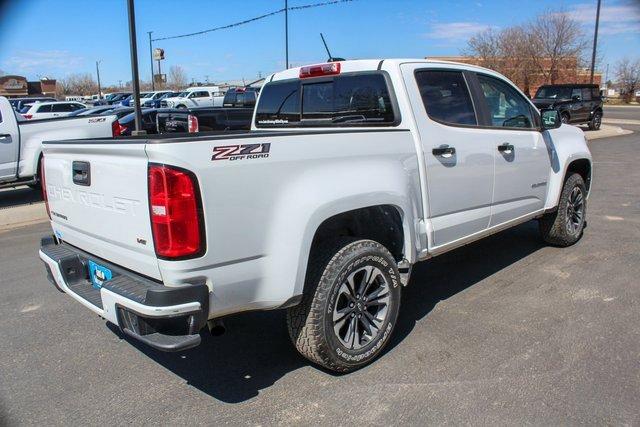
[
  {"x": 235, "y": 114},
  {"x": 576, "y": 103},
  {"x": 204, "y": 119}
]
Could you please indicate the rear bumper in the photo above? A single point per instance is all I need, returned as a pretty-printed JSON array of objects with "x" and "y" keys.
[{"x": 166, "y": 318}]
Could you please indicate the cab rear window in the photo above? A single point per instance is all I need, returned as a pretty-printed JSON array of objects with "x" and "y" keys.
[{"x": 354, "y": 100}]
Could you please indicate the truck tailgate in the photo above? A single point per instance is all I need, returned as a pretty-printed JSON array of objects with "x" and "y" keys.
[{"x": 98, "y": 201}]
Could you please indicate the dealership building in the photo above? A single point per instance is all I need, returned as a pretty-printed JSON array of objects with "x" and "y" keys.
[{"x": 19, "y": 87}]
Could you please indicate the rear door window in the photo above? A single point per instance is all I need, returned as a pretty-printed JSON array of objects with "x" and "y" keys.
[
  {"x": 586, "y": 94},
  {"x": 44, "y": 109},
  {"x": 446, "y": 97},
  {"x": 62, "y": 108}
]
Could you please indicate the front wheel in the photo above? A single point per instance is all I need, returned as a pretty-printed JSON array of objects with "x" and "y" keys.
[
  {"x": 565, "y": 226},
  {"x": 350, "y": 306}
]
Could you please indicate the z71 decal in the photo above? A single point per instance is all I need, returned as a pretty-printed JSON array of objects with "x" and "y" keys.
[{"x": 240, "y": 152}]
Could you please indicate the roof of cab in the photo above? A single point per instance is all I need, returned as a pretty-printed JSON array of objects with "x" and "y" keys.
[{"x": 374, "y": 64}]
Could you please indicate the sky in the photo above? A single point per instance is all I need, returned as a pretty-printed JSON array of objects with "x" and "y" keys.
[{"x": 55, "y": 38}]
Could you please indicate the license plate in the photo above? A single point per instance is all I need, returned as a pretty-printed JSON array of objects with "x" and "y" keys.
[{"x": 98, "y": 274}]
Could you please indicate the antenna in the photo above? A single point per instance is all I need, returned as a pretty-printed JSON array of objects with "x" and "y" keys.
[
  {"x": 325, "y": 46},
  {"x": 331, "y": 58}
]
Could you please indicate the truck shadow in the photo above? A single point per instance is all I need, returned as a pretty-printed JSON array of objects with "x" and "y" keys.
[
  {"x": 11, "y": 197},
  {"x": 256, "y": 352}
]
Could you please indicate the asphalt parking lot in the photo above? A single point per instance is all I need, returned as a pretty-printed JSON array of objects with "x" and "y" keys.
[{"x": 503, "y": 331}]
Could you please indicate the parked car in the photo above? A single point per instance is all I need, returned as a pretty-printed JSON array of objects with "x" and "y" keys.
[
  {"x": 576, "y": 103},
  {"x": 19, "y": 103},
  {"x": 92, "y": 111},
  {"x": 147, "y": 101},
  {"x": 353, "y": 171},
  {"x": 21, "y": 141},
  {"x": 128, "y": 101},
  {"x": 204, "y": 119},
  {"x": 201, "y": 96},
  {"x": 242, "y": 97},
  {"x": 112, "y": 98},
  {"x": 49, "y": 110}
]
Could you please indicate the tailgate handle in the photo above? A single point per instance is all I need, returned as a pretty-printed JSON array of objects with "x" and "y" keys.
[{"x": 81, "y": 173}]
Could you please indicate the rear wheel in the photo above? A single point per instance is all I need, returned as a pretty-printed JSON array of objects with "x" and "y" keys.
[
  {"x": 350, "y": 305},
  {"x": 565, "y": 226},
  {"x": 181, "y": 107},
  {"x": 596, "y": 121}
]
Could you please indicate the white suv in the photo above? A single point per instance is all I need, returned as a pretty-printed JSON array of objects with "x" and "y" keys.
[{"x": 48, "y": 110}]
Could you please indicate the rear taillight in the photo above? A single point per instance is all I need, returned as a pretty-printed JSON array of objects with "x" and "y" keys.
[
  {"x": 27, "y": 116},
  {"x": 192, "y": 122},
  {"x": 43, "y": 186},
  {"x": 328, "y": 69},
  {"x": 117, "y": 129},
  {"x": 176, "y": 213}
]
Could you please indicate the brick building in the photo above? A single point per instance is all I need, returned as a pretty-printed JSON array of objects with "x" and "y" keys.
[
  {"x": 567, "y": 71},
  {"x": 19, "y": 87}
]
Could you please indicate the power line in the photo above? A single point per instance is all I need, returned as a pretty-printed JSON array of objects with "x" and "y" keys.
[{"x": 256, "y": 18}]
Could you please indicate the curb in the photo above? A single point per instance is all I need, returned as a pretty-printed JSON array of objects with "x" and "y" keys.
[{"x": 606, "y": 131}]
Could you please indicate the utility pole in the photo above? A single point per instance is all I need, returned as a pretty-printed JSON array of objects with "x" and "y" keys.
[
  {"x": 595, "y": 43},
  {"x": 153, "y": 83},
  {"x": 98, "y": 73},
  {"x": 286, "y": 33},
  {"x": 135, "y": 82}
]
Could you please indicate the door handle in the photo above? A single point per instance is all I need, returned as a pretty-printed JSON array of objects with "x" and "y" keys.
[
  {"x": 5, "y": 136},
  {"x": 444, "y": 151},
  {"x": 506, "y": 148}
]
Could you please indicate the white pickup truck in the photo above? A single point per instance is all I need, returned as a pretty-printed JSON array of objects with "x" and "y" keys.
[
  {"x": 21, "y": 141},
  {"x": 353, "y": 172}
]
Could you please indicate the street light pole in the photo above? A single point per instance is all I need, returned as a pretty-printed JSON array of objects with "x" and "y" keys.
[
  {"x": 133, "y": 47},
  {"x": 99, "y": 88},
  {"x": 286, "y": 33},
  {"x": 153, "y": 84},
  {"x": 595, "y": 43}
]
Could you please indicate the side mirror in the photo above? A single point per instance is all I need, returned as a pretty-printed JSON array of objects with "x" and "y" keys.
[{"x": 550, "y": 118}]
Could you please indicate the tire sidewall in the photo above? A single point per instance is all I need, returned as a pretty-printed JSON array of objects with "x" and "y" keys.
[
  {"x": 570, "y": 184},
  {"x": 377, "y": 256}
]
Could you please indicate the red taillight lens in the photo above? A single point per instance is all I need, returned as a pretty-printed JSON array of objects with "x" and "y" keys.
[
  {"x": 43, "y": 186},
  {"x": 327, "y": 69},
  {"x": 175, "y": 209},
  {"x": 192, "y": 122},
  {"x": 27, "y": 116},
  {"x": 117, "y": 128}
]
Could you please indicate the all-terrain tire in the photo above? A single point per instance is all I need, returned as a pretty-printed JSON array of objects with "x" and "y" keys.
[
  {"x": 312, "y": 323},
  {"x": 554, "y": 226},
  {"x": 596, "y": 121}
]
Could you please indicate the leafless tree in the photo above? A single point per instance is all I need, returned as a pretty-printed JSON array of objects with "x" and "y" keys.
[
  {"x": 628, "y": 77},
  {"x": 556, "y": 39},
  {"x": 77, "y": 84},
  {"x": 177, "y": 77},
  {"x": 539, "y": 46}
]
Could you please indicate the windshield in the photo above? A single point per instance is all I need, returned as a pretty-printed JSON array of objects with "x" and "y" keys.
[
  {"x": 553, "y": 92},
  {"x": 26, "y": 108}
]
